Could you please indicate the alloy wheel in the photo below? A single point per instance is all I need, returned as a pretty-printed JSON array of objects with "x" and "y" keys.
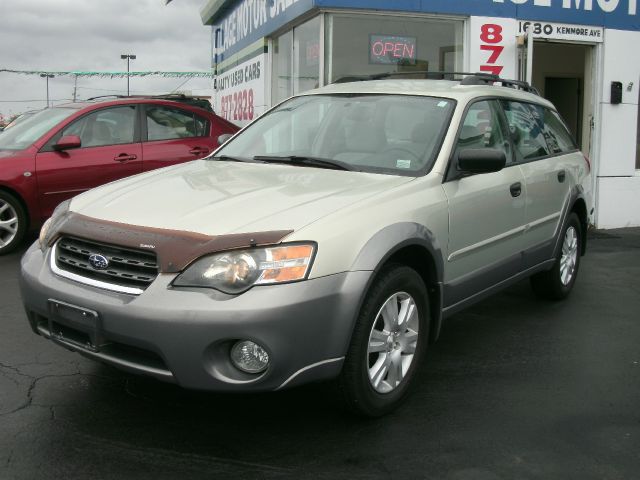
[
  {"x": 8, "y": 223},
  {"x": 392, "y": 342},
  {"x": 569, "y": 257}
]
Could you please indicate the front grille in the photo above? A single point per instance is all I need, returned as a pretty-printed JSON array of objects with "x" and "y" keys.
[{"x": 127, "y": 267}]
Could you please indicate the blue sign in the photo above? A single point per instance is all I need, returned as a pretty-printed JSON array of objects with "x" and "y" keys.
[
  {"x": 619, "y": 14},
  {"x": 251, "y": 20}
]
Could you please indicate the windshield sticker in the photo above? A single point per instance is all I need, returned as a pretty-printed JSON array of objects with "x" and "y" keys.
[
  {"x": 403, "y": 163},
  {"x": 443, "y": 104}
]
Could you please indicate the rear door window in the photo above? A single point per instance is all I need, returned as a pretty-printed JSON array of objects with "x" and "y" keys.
[
  {"x": 526, "y": 130},
  {"x": 167, "y": 123}
]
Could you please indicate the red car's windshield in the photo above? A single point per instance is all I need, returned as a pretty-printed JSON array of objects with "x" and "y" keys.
[{"x": 28, "y": 131}]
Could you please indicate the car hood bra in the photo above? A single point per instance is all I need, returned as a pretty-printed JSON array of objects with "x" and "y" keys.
[{"x": 221, "y": 197}]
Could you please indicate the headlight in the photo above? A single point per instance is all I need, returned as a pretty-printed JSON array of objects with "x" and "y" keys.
[
  {"x": 57, "y": 214},
  {"x": 237, "y": 271}
]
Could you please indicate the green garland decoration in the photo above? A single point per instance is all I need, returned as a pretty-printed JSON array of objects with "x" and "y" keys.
[{"x": 112, "y": 74}]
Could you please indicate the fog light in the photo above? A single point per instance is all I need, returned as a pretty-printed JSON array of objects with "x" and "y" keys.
[{"x": 249, "y": 357}]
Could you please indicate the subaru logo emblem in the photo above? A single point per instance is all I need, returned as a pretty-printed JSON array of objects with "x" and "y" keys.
[{"x": 97, "y": 261}]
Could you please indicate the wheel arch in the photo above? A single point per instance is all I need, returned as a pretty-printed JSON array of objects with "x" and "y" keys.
[
  {"x": 579, "y": 207},
  {"x": 23, "y": 204},
  {"x": 415, "y": 246}
]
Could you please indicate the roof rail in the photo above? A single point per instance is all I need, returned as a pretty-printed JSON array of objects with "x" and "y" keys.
[{"x": 465, "y": 78}]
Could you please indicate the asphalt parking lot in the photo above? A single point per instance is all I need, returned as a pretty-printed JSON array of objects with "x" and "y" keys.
[{"x": 516, "y": 388}]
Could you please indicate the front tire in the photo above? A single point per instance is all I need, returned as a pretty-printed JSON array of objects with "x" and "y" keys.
[
  {"x": 13, "y": 222},
  {"x": 388, "y": 342},
  {"x": 556, "y": 284}
]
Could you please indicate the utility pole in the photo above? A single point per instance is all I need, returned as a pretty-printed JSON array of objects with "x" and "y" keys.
[
  {"x": 128, "y": 57},
  {"x": 47, "y": 76}
]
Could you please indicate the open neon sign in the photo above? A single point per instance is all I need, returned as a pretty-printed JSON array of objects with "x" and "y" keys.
[{"x": 392, "y": 49}]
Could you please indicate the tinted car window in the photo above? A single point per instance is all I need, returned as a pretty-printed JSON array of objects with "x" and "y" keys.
[
  {"x": 482, "y": 128},
  {"x": 558, "y": 137},
  {"x": 111, "y": 126},
  {"x": 164, "y": 123},
  {"x": 526, "y": 131}
]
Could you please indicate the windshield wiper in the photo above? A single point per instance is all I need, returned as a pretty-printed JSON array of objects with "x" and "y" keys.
[
  {"x": 226, "y": 158},
  {"x": 306, "y": 161}
]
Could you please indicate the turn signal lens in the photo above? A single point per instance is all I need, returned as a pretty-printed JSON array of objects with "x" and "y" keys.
[{"x": 286, "y": 264}]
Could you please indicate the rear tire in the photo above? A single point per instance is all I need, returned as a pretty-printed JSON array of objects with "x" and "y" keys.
[
  {"x": 13, "y": 222},
  {"x": 556, "y": 284},
  {"x": 388, "y": 343}
]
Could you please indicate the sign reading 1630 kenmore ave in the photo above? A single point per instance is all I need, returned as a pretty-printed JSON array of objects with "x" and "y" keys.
[{"x": 561, "y": 31}]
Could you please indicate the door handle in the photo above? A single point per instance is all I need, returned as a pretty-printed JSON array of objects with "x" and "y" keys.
[
  {"x": 516, "y": 189},
  {"x": 123, "y": 157},
  {"x": 198, "y": 150},
  {"x": 561, "y": 176}
]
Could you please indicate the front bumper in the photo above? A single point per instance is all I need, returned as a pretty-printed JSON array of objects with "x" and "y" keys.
[{"x": 184, "y": 335}]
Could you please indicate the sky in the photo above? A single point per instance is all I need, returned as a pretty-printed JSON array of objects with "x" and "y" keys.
[{"x": 90, "y": 35}]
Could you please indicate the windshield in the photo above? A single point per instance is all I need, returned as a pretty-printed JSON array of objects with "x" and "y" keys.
[
  {"x": 396, "y": 134},
  {"x": 27, "y": 131}
]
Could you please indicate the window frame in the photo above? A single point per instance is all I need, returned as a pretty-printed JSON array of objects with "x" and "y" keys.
[
  {"x": 144, "y": 132},
  {"x": 48, "y": 147}
]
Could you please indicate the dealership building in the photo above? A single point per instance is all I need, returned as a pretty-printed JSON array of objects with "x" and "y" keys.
[{"x": 580, "y": 54}]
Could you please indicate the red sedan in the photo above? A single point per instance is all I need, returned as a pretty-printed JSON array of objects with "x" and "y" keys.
[{"x": 60, "y": 152}]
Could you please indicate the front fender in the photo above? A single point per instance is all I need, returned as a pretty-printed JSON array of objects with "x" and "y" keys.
[{"x": 393, "y": 238}]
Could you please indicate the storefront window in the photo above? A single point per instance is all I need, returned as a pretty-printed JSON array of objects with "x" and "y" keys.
[
  {"x": 296, "y": 61},
  {"x": 282, "y": 77},
  {"x": 306, "y": 56},
  {"x": 370, "y": 44}
]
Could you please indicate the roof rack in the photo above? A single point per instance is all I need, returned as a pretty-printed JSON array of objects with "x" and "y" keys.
[
  {"x": 195, "y": 101},
  {"x": 465, "y": 78}
]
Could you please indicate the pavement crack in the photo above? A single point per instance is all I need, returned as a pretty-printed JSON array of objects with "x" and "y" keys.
[
  {"x": 13, "y": 369},
  {"x": 27, "y": 403},
  {"x": 34, "y": 381}
]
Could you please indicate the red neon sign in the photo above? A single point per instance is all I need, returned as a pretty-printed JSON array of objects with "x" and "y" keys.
[{"x": 392, "y": 49}]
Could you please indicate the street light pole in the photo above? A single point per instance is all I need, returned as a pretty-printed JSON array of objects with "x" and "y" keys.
[
  {"x": 47, "y": 76},
  {"x": 128, "y": 57}
]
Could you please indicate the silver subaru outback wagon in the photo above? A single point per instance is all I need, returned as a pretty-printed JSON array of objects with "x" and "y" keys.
[{"x": 325, "y": 241}]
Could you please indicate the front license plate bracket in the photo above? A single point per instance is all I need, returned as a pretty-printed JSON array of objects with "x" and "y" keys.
[{"x": 74, "y": 326}]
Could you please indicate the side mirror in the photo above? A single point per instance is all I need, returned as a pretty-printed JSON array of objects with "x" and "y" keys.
[
  {"x": 481, "y": 160},
  {"x": 67, "y": 143},
  {"x": 224, "y": 138}
]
